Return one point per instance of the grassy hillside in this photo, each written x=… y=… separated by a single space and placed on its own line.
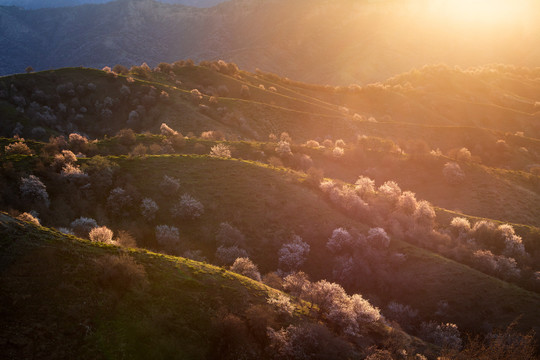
x=253 y=198
x=268 y=188
x=65 y=297
x=268 y=205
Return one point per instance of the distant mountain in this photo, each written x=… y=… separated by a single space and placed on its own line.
x=41 y=4
x=338 y=42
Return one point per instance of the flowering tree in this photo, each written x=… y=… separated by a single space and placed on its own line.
x=33 y=189
x=82 y=226
x=187 y=208
x=220 y=150
x=246 y=267
x=339 y=241
x=293 y=254
x=167 y=236
x=378 y=238
x=101 y=234
x=149 y=208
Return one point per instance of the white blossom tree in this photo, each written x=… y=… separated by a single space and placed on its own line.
x=292 y=255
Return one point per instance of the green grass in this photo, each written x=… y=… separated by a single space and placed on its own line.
x=170 y=317
x=249 y=196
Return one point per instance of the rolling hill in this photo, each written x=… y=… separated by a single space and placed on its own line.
x=501 y=183
x=230 y=163
x=67 y=297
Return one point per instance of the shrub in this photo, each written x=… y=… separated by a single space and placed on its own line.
x=463 y=154
x=126 y=137
x=220 y=150
x=275 y=281
x=81 y=227
x=403 y=314
x=460 y=226
x=307 y=341
x=187 y=208
x=407 y=202
x=63 y=158
x=149 y=209
x=296 y=282
x=507 y=268
x=73 y=172
x=485 y=232
x=364 y=186
x=486 y=260
x=304 y=161
x=33 y=189
x=226 y=255
x=169 y=185
x=101 y=234
x=453 y=174
x=364 y=312
x=390 y=190
x=119 y=202
x=29 y=218
x=339 y=241
x=77 y=142
x=378 y=238
x=513 y=244
x=444 y=335
x=293 y=254
x=228 y=235
x=327 y=143
x=312 y=144
x=138 y=151
x=324 y=294
x=133 y=118
x=124 y=238
x=340 y=143
x=212 y=135
x=338 y=152
x=244 y=266
x=345 y=197
x=424 y=215
x=196 y=95
x=167 y=236
x=284 y=136
x=507 y=344
x=283 y=149
x=18 y=147
x=166 y=130
x=120 y=69
x=120 y=272
x=281 y=303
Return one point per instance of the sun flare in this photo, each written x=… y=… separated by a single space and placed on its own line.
x=483 y=11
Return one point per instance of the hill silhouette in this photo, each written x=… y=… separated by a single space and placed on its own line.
x=371 y=41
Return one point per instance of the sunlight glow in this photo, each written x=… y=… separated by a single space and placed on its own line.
x=482 y=11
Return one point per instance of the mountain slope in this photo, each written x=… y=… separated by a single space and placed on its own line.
x=65 y=297
x=267 y=205
x=499 y=183
x=39 y=4
x=365 y=38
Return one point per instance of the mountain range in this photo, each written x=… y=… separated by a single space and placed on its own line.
x=369 y=41
x=41 y=4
